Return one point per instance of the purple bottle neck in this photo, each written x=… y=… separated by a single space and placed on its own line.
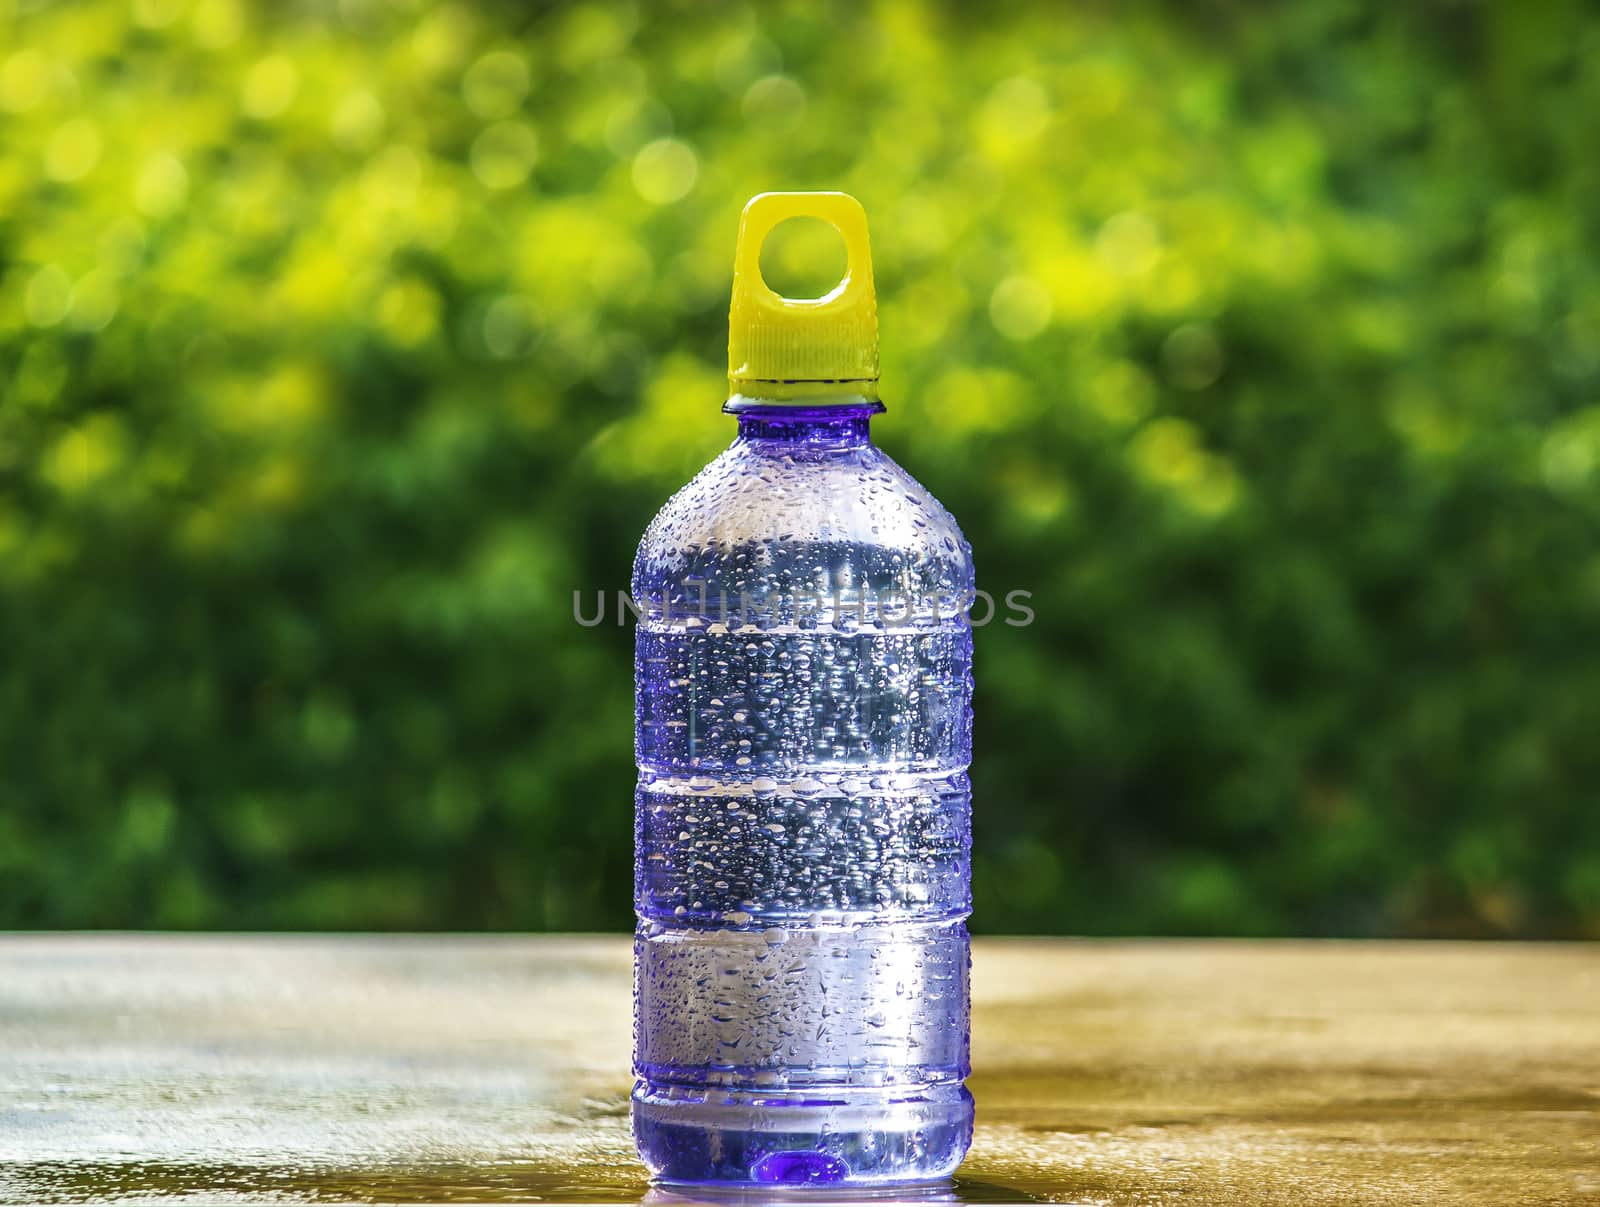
x=844 y=424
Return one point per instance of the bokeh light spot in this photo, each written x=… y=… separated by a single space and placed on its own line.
x=1128 y=244
x=1431 y=427
x=294 y=396
x=775 y=102
x=969 y=401
x=922 y=227
x=592 y=33
x=408 y=312
x=73 y=150
x=85 y=454
x=269 y=87
x=672 y=427
x=40 y=377
x=1019 y=308
x=157 y=14
x=1215 y=489
x=442 y=38
x=393 y=176
x=1191 y=357
x=121 y=246
x=1168 y=451
x=358 y=122
x=634 y=122
x=1082 y=288
x=94 y=302
x=218 y=24
x=664 y=171
x=504 y=154
x=1015 y=114
x=24 y=77
x=48 y=296
x=743 y=57
x=803 y=258
x=509 y=327
x=278 y=483
x=496 y=84
x=162 y=187
x=1121 y=392
x=1570 y=452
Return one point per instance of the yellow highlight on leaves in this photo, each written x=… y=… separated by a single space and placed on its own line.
x=442 y=38
x=358 y=122
x=162 y=187
x=157 y=14
x=570 y=254
x=1016 y=113
x=1122 y=393
x=48 y=297
x=85 y=454
x=1081 y=287
x=315 y=284
x=591 y=33
x=1128 y=244
x=94 y=302
x=408 y=312
x=679 y=424
x=1037 y=493
x=292 y=398
x=970 y=400
x=496 y=85
x=922 y=313
x=774 y=102
x=1168 y=452
x=40 y=375
x=270 y=87
x=24 y=78
x=73 y=150
x=278 y=483
x=218 y=24
x=504 y=154
x=1217 y=488
x=1568 y=456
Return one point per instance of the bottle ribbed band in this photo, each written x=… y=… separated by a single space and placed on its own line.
x=833 y=338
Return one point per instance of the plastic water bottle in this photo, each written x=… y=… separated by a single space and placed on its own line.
x=804 y=728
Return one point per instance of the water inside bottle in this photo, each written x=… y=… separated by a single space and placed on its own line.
x=803 y=826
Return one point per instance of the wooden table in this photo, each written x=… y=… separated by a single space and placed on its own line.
x=483 y=1069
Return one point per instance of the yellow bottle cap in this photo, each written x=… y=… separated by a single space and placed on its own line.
x=787 y=347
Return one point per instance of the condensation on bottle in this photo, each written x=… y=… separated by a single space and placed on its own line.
x=803 y=812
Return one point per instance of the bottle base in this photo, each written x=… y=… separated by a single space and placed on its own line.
x=795 y=1138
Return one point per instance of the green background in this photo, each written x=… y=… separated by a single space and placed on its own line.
x=341 y=343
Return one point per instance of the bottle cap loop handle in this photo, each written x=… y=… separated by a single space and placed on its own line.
x=828 y=340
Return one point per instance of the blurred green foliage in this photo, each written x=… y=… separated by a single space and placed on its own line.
x=341 y=343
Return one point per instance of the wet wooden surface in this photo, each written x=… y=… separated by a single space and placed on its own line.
x=254 y=1069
